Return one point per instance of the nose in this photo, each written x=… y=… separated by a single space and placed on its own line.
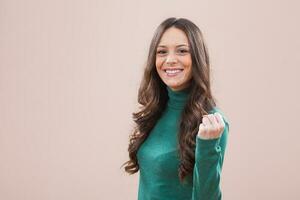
x=171 y=59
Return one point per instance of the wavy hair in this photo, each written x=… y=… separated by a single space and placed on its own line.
x=153 y=97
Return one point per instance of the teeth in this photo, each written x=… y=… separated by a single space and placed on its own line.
x=173 y=71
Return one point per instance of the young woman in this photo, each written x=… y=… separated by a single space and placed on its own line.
x=180 y=136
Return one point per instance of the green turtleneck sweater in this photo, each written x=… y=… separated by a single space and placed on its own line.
x=159 y=161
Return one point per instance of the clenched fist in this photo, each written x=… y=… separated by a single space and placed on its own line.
x=212 y=126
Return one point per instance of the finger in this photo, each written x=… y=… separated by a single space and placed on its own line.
x=212 y=120
x=202 y=128
x=209 y=120
x=217 y=117
x=220 y=119
x=215 y=126
x=206 y=121
x=221 y=123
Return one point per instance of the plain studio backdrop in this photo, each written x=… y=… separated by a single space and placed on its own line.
x=69 y=75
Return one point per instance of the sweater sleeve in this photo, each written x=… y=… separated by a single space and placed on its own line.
x=209 y=157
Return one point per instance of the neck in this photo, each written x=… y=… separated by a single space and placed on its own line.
x=178 y=98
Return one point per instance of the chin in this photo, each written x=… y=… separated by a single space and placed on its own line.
x=174 y=86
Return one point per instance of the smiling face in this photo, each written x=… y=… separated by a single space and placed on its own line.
x=173 y=59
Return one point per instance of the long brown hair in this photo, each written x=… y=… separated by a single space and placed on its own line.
x=153 y=96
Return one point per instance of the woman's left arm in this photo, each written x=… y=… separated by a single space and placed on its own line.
x=209 y=157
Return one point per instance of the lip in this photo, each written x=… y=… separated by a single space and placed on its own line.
x=164 y=69
x=173 y=74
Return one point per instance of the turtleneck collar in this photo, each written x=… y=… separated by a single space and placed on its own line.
x=177 y=99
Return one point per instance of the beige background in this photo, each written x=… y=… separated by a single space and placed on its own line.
x=69 y=74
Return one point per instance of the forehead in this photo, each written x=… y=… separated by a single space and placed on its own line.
x=173 y=37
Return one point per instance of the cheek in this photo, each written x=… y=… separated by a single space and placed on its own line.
x=158 y=62
x=187 y=63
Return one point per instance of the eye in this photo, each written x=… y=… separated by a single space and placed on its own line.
x=161 y=52
x=183 y=51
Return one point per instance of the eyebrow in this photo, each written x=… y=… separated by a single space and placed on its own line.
x=176 y=46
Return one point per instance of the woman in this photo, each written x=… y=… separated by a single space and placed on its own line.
x=180 y=136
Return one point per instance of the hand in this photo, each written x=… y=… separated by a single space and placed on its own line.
x=212 y=126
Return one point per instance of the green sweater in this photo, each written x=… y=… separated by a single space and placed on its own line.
x=159 y=161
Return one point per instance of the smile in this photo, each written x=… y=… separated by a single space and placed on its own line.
x=173 y=72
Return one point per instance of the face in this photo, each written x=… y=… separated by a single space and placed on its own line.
x=173 y=59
